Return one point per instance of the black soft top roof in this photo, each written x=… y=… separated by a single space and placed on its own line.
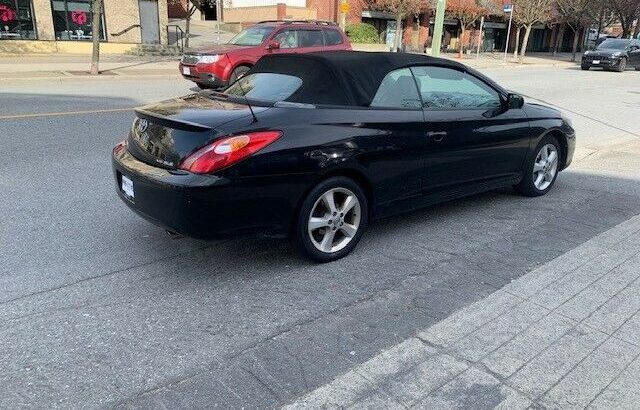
x=346 y=77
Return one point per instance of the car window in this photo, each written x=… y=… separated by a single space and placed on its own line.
x=446 y=88
x=614 y=44
x=287 y=38
x=397 y=90
x=270 y=87
x=332 y=37
x=253 y=36
x=310 y=38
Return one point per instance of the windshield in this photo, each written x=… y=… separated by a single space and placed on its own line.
x=614 y=44
x=253 y=36
x=269 y=87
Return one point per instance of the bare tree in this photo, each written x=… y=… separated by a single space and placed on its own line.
x=96 y=29
x=467 y=12
x=527 y=13
x=627 y=11
x=191 y=7
x=576 y=14
x=401 y=9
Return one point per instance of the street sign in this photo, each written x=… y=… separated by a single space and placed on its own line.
x=344 y=7
x=507 y=8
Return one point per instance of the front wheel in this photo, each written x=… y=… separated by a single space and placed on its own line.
x=237 y=73
x=333 y=217
x=541 y=169
x=584 y=67
x=622 y=65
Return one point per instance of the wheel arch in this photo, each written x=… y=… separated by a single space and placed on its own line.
x=349 y=172
x=564 y=144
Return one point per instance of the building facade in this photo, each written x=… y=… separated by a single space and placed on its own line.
x=66 y=25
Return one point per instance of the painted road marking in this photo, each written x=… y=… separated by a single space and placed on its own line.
x=63 y=113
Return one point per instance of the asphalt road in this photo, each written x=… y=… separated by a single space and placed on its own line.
x=99 y=308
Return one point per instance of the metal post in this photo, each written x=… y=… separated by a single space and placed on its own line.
x=438 y=26
x=480 y=37
x=218 y=17
x=506 y=45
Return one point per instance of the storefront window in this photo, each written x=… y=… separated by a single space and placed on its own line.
x=72 y=20
x=16 y=20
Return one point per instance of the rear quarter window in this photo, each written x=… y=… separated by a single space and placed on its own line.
x=332 y=37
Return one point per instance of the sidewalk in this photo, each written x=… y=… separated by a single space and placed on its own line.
x=566 y=335
x=494 y=60
x=77 y=66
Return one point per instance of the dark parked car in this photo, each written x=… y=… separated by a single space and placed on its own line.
x=331 y=141
x=613 y=54
x=220 y=65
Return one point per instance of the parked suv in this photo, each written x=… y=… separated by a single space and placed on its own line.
x=613 y=54
x=218 y=66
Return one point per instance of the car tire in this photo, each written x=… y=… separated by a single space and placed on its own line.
x=537 y=167
x=584 y=67
x=622 y=65
x=322 y=232
x=238 y=72
x=201 y=86
x=638 y=68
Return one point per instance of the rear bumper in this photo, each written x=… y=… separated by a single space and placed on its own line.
x=207 y=206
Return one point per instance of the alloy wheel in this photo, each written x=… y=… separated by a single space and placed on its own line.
x=334 y=220
x=545 y=167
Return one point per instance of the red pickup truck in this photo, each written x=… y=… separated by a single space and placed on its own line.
x=219 y=66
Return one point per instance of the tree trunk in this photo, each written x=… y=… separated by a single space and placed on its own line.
x=636 y=31
x=461 y=41
x=574 y=48
x=525 y=40
x=96 y=9
x=415 y=35
x=559 y=39
x=187 y=29
x=397 y=41
x=517 y=44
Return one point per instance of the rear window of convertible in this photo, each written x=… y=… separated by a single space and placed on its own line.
x=271 y=87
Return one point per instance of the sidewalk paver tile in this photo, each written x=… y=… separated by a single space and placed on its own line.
x=543 y=371
x=522 y=348
x=582 y=384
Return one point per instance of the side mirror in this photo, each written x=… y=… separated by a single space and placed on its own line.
x=273 y=45
x=514 y=101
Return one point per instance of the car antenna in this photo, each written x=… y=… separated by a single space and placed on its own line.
x=253 y=114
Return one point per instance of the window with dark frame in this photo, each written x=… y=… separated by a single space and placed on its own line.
x=73 y=19
x=16 y=20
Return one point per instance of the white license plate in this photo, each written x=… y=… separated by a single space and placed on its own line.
x=596 y=61
x=186 y=70
x=127 y=187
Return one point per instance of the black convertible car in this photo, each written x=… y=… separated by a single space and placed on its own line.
x=314 y=146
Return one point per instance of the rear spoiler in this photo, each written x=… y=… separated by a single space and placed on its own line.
x=170 y=122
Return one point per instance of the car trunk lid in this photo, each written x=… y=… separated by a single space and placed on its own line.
x=164 y=134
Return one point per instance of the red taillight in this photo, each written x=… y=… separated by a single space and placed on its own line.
x=120 y=147
x=227 y=151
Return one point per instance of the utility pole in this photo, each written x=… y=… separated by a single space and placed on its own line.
x=218 y=17
x=438 y=26
x=344 y=10
x=508 y=8
x=480 y=37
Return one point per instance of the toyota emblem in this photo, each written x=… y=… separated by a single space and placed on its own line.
x=142 y=126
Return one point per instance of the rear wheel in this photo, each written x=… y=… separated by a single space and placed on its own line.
x=332 y=220
x=201 y=86
x=622 y=65
x=238 y=72
x=541 y=168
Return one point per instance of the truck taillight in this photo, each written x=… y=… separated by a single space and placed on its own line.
x=228 y=151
